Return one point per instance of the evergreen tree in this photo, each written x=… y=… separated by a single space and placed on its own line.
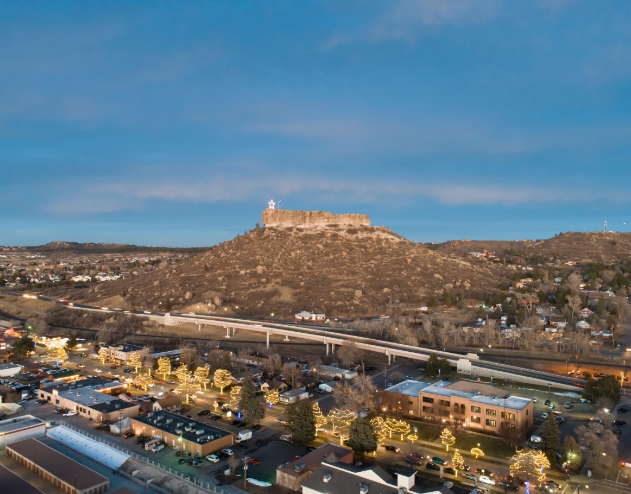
x=550 y=438
x=431 y=368
x=571 y=452
x=226 y=364
x=303 y=422
x=361 y=437
x=72 y=341
x=23 y=346
x=252 y=409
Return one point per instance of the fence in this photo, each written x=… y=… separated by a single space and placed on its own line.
x=207 y=486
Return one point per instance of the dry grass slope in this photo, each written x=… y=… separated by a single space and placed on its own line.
x=340 y=270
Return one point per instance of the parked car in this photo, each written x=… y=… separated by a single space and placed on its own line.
x=547 y=403
x=535 y=399
x=623 y=410
x=253 y=461
x=228 y=451
x=469 y=475
x=449 y=470
x=213 y=458
x=69 y=414
x=203 y=412
x=619 y=423
x=127 y=435
x=551 y=486
x=394 y=449
x=439 y=461
x=127 y=370
x=432 y=466
x=567 y=405
x=544 y=416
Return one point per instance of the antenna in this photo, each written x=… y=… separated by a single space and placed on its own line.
x=279 y=203
x=605 y=226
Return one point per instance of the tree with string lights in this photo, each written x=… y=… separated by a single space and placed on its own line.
x=447 y=438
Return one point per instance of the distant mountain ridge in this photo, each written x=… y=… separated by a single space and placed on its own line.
x=101 y=248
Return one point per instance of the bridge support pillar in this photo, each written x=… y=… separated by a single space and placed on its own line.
x=388 y=358
x=394 y=357
x=268 y=339
x=199 y=327
x=332 y=348
x=227 y=332
x=327 y=347
x=233 y=331
x=286 y=337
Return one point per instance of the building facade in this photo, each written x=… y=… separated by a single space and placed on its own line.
x=469 y=404
x=186 y=434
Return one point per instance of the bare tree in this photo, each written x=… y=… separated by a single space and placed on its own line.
x=574 y=280
x=574 y=303
x=189 y=355
x=442 y=332
x=428 y=329
x=349 y=352
x=357 y=395
x=273 y=364
x=599 y=446
x=396 y=377
x=292 y=373
x=314 y=365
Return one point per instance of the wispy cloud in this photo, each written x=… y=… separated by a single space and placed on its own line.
x=109 y=198
x=407 y=20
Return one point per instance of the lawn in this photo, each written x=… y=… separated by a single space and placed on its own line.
x=492 y=446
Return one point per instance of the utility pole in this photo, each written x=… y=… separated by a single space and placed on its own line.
x=245 y=470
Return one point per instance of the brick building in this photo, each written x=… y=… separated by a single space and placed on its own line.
x=474 y=405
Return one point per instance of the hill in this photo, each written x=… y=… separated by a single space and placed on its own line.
x=94 y=248
x=579 y=247
x=337 y=269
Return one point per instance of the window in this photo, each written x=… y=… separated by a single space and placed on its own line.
x=475 y=409
x=491 y=423
x=444 y=403
x=411 y=412
x=475 y=420
x=463 y=409
x=410 y=403
x=508 y=426
x=56 y=402
x=428 y=409
x=427 y=399
x=491 y=412
x=509 y=416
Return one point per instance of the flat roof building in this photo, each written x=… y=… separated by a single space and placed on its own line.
x=10 y=483
x=61 y=471
x=91 y=400
x=190 y=435
x=471 y=404
x=20 y=428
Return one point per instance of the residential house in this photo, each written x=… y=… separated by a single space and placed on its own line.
x=331 y=371
x=583 y=325
x=293 y=396
x=274 y=385
x=328 y=387
x=309 y=316
x=558 y=322
x=585 y=313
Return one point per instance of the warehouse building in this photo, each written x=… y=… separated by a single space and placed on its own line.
x=91 y=400
x=11 y=482
x=177 y=431
x=20 y=428
x=63 y=472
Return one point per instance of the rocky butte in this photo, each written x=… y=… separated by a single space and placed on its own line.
x=287 y=218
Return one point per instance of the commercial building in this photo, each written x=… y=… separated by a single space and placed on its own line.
x=174 y=356
x=8 y=370
x=94 y=400
x=293 y=475
x=20 y=428
x=10 y=483
x=63 y=472
x=122 y=352
x=189 y=435
x=340 y=478
x=470 y=404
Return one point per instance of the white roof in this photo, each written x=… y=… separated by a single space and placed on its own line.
x=102 y=453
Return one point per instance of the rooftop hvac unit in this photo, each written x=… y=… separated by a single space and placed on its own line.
x=168 y=421
x=299 y=467
x=178 y=431
x=188 y=428
x=363 y=488
x=150 y=414
x=327 y=477
x=179 y=424
x=199 y=431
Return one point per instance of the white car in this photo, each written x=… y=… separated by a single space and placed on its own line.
x=213 y=458
x=147 y=312
x=535 y=399
x=98 y=370
x=544 y=416
x=151 y=385
x=486 y=480
x=81 y=366
x=69 y=414
x=228 y=451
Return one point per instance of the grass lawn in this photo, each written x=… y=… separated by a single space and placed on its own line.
x=492 y=446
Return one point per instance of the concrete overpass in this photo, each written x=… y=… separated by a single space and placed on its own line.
x=332 y=338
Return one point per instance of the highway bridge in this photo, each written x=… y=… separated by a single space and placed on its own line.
x=332 y=338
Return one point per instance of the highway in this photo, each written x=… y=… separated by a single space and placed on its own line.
x=334 y=337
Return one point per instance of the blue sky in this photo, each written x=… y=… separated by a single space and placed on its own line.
x=173 y=123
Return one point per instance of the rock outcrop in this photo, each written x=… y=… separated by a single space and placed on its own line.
x=287 y=218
